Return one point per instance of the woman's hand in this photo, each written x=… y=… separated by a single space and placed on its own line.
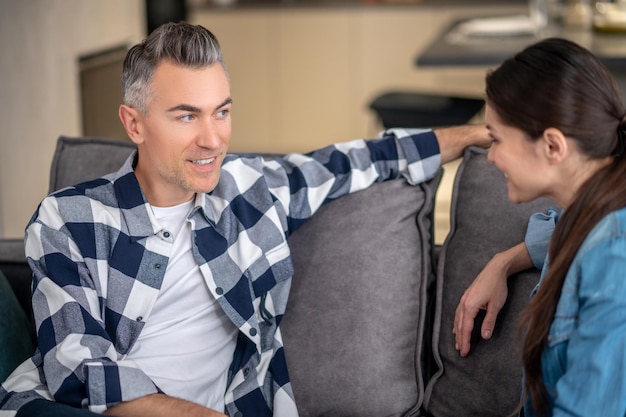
x=488 y=292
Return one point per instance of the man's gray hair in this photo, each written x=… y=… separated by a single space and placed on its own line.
x=181 y=43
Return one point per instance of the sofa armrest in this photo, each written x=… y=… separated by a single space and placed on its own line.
x=12 y=250
x=16 y=270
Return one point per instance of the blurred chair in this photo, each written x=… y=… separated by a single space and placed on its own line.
x=413 y=109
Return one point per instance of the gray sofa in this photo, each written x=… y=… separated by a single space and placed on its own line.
x=368 y=325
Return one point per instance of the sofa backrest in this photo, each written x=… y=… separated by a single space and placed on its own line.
x=81 y=159
x=368 y=325
x=358 y=307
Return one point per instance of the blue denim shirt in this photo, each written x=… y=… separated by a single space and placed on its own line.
x=584 y=365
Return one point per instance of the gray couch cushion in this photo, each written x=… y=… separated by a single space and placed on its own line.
x=81 y=159
x=355 y=319
x=483 y=222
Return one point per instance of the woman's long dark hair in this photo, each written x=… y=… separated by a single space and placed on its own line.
x=556 y=83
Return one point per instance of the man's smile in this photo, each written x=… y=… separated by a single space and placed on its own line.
x=203 y=161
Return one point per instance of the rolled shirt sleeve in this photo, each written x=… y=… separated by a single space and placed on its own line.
x=538 y=235
x=303 y=183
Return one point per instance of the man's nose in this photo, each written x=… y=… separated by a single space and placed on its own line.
x=208 y=136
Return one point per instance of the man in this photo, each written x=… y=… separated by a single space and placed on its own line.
x=159 y=289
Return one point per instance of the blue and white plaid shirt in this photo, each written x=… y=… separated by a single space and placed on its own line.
x=99 y=257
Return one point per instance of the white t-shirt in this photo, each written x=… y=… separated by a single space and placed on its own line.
x=187 y=343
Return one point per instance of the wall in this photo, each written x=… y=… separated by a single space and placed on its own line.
x=302 y=77
x=40 y=42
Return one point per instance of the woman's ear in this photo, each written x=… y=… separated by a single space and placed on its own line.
x=131 y=119
x=554 y=144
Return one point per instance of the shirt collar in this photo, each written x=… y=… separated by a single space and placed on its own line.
x=135 y=209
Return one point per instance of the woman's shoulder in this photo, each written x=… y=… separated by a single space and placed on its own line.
x=611 y=227
x=604 y=247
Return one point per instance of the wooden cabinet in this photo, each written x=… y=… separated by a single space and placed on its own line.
x=303 y=77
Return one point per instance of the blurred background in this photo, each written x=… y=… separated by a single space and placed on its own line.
x=303 y=72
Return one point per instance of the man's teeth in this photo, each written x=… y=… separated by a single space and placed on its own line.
x=204 y=161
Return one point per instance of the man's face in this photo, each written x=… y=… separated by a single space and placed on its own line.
x=184 y=135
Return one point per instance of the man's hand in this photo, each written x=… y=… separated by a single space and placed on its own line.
x=488 y=292
x=159 y=405
x=454 y=140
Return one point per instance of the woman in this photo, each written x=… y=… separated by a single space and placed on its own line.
x=558 y=126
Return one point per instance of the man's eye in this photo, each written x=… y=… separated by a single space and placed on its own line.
x=187 y=117
x=223 y=113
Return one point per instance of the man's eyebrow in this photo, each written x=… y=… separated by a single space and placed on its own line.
x=194 y=109
x=229 y=100
x=185 y=107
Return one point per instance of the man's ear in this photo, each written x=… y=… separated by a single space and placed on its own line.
x=554 y=144
x=131 y=119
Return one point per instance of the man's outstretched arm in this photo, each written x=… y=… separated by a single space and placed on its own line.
x=454 y=140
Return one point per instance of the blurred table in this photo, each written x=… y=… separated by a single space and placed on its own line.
x=454 y=48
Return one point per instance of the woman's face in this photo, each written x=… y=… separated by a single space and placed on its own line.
x=518 y=157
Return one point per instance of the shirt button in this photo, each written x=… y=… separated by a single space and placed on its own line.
x=253 y=332
x=246 y=371
x=157 y=266
x=139 y=318
x=219 y=291
x=166 y=234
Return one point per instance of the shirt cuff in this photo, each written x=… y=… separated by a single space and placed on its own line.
x=109 y=383
x=419 y=149
x=538 y=235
